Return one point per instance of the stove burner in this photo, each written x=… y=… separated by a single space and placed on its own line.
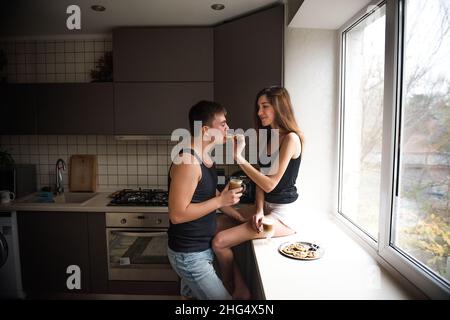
x=144 y=197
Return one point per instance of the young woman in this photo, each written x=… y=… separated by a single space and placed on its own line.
x=275 y=192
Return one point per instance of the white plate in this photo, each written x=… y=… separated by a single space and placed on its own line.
x=308 y=247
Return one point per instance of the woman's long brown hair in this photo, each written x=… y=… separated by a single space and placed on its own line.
x=284 y=115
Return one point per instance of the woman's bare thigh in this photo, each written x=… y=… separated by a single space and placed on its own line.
x=236 y=235
x=247 y=212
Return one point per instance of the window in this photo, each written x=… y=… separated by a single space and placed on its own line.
x=363 y=85
x=394 y=164
x=421 y=226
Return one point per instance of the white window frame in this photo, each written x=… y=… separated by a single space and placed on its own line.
x=359 y=17
x=418 y=275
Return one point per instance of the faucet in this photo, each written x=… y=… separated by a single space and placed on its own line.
x=60 y=167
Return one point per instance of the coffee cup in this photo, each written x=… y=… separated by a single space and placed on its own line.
x=268 y=225
x=6 y=196
x=268 y=228
x=236 y=182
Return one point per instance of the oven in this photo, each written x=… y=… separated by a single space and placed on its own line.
x=137 y=247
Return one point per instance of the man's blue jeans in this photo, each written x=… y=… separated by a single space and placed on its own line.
x=198 y=276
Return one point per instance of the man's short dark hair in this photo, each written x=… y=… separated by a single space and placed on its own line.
x=205 y=112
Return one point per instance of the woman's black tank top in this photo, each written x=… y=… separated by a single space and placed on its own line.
x=285 y=191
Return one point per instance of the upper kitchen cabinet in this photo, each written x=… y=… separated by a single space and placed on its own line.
x=156 y=107
x=248 y=56
x=163 y=54
x=18 y=109
x=75 y=108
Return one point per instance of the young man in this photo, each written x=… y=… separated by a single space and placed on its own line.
x=193 y=201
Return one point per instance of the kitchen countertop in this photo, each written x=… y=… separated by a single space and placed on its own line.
x=96 y=204
x=346 y=270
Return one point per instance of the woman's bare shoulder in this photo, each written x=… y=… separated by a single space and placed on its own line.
x=292 y=141
x=291 y=138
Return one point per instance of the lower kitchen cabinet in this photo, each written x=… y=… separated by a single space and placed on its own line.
x=51 y=242
x=98 y=252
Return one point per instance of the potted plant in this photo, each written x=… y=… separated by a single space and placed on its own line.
x=6 y=160
x=103 y=72
x=3 y=63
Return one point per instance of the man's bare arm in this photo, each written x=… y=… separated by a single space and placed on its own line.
x=184 y=180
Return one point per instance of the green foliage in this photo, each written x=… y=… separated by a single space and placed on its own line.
x=104 y=69
x=6 y=160
x=431 y=236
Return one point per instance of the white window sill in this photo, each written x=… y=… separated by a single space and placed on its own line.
x=346 y=271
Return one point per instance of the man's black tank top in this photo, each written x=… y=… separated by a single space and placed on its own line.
x=196 y=235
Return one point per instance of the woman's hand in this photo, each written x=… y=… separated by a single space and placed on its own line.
x=257 y=221
x=239 y=146
x=229 y=197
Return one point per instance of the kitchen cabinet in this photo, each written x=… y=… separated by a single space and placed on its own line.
x=156 y=107
x=50 y=242
x=159 y=73
x=248 y=56
x=75 y=108
x=18 y=109
x=163 y=54
x=98 y=263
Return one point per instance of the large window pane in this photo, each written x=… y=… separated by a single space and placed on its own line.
x=421 y=218
x=363 y=85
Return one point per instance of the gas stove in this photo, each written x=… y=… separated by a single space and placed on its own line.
x=140 y=197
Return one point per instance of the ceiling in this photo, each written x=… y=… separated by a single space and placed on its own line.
x=326 y=14
x=48 y=17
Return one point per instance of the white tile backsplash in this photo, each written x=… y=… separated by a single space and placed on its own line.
x=121 y=164
x=34 y=61
x=132 y=169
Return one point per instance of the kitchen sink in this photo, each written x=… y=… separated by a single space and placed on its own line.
x=76 y=197
x=66 y=197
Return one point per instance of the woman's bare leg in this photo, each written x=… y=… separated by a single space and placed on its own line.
x=222 y=245
x=247 y=212
x=225 y=222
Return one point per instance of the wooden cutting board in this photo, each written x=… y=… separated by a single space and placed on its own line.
x=83 y=173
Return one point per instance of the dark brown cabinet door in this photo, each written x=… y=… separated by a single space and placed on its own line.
x=248 y=56
x=163 y=54
x=98 y=252
x=18 y=109
x=75 y=108
x=50 y=242
x=156 y=108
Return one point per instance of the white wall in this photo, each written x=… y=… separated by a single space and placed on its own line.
x=311 y=77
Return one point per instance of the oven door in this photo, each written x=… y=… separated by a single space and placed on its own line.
x=137 y=254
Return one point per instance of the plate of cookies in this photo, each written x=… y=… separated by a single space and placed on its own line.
x=301 y=250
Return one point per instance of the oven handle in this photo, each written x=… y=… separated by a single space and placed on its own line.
x=140 y=234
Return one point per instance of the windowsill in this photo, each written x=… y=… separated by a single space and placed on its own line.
x=346 y=271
